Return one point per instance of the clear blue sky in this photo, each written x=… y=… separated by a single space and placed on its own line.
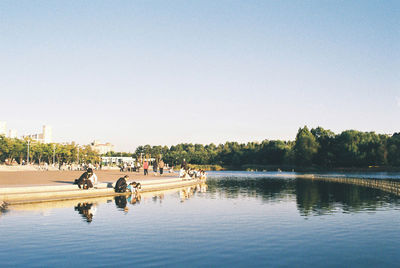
x=166 y=72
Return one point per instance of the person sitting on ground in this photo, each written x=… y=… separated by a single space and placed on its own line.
x=182 y=173
x=121 y=184
x=92 y=178
x=203 y=175
x=133 y=187
x=86 y=180
x=191 y=173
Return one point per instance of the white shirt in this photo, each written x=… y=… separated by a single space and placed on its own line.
x=93 y=179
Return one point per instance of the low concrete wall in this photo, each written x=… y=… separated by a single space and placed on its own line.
x=65 y=192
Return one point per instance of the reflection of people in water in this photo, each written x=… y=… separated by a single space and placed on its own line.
x=159 y=197
x=190 y=191
x=87 y=210
x=3 y=208
x=120 y=201
x=203 y=188
x=186 y=193
x=134 y=198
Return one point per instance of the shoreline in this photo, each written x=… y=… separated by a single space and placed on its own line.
x=43 y=186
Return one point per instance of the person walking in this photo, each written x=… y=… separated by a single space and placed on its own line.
x=161 y=166
x=155 y=166
x=146 y=167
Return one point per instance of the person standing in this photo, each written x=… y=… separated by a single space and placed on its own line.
x=146 y=167
x=161 y=166
x=132 y=166
x=184 y=164
x=155 y=166
x=137 y=166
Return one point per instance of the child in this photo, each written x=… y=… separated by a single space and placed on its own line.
x=133 y=187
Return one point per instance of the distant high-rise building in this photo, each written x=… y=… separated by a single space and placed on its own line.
x=46 y=136
x=12 y=133
x=3 y=128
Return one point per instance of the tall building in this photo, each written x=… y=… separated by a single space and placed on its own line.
x=46 y=136
x=3 y=128
x=12 y=133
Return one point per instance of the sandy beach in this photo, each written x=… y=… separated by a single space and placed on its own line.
x=36 y=178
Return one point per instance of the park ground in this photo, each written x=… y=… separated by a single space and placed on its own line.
x=36 y=178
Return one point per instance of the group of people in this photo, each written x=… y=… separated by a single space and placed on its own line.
x=129 y=167
x=157 y=167
x=122 y=186
x=191 y=174
x=89 y=180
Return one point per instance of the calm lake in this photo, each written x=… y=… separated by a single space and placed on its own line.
x=239 y=219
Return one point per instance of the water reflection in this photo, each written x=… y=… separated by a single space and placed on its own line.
x=86 y=210
x=322 y=197
x=269 y=189
x=122 y=201
x=186 y=193
x=158 y=198
x=3 y=208
x=313 y=197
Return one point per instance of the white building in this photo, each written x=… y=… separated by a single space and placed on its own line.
x=102 y=148
x=46 y=136
x=12 y=133
x=111 y=160
x=3 y=128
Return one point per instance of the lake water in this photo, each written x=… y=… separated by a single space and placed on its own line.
x=239 y=219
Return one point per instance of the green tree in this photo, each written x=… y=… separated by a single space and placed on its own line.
x=393 y=149
x=306 y=146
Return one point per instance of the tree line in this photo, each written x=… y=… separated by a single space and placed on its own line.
x=13 y=150
x=315 y=148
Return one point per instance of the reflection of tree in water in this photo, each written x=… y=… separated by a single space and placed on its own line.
x=266 y=188
x=321 y=197
x=84 y=209
x=313 y=197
